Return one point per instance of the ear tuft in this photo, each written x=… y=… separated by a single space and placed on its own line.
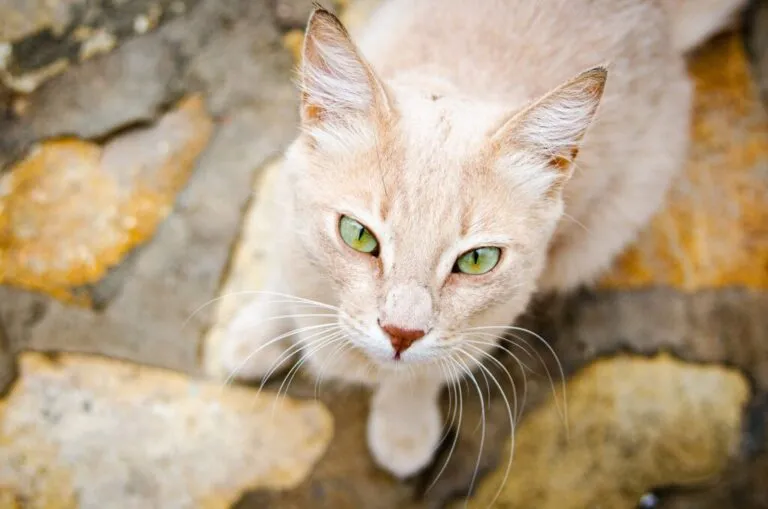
x=336 y=83
x=554 y=125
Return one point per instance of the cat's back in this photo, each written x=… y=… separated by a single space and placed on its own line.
x=502 y=47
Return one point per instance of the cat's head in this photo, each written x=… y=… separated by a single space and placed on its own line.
x=431 y=215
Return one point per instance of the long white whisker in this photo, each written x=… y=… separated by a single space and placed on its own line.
x=469 y=374
x=451 y=366
x=300 y=330
x=337 y=352
x=259 y=292
x=338 y=338
x=564 y=410
x=471 y=344
x=511 y=422
x=451 y=407
x=503 y=339
x=303 y=342
x=316 y=347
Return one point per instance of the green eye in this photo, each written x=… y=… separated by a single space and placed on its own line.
x=478 y=261
x=357 y=236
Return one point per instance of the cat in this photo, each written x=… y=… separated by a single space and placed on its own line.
x=459 y=158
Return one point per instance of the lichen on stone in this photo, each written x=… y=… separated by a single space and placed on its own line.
x=633 y=424
x=72 y=209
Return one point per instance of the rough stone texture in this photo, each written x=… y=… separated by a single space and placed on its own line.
x=714 y=230
x=230 y=53
x=7 y=363
x=39 y=39
x=25 y=17
x=346 y=477
x=293 y=14
x=131 y=86
x=88 y=433
x=743 y=485
x=71 y=210
x=756 y=25
x=634 y=424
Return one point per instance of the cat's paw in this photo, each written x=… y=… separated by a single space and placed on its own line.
x=249 y=350
x=403 y=439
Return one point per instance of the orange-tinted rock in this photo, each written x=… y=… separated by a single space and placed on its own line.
x=294 y=41
x=72 y=209
x=714 y=230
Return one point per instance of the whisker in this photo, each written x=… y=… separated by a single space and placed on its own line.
x=290 y=351
x=259 y=292
x=512 y=422
x=563 y=412
x=312 y=347
x=503 y=339
x=299 y=330
x=448 y=425
x=454 y=379
x=500 y=365
x=337 y=352
x=292 y=316
x=317 y=346
x=462 y=365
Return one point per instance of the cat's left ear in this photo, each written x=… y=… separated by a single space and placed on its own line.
x=552 y=128
x=337 y=84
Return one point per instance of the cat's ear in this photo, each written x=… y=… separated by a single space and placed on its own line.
x=554 y=126
x=337 y=85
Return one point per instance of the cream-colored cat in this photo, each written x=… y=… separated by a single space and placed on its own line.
x=435 y=186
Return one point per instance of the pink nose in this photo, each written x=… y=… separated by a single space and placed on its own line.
x=402 y=339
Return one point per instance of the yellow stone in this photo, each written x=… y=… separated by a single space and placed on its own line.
x=88 y=432
x=293 y=40
x=73 y=209
x=714 y=230
x=634 y=424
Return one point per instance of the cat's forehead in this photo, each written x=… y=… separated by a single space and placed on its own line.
x=452 y=127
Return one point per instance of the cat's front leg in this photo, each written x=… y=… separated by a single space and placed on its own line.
x=257 y=339
x=405 y=424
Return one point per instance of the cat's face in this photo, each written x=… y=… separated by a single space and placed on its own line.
x=431 y=215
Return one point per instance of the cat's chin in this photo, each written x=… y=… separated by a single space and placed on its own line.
x=395 y=362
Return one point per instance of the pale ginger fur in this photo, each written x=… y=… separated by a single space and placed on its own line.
x=457 y=130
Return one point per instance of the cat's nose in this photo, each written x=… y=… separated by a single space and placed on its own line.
x=402 y=339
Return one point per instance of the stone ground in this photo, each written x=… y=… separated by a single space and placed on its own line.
x=138 y=143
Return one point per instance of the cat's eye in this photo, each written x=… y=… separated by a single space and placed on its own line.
x=478 y=261
x=357 y=236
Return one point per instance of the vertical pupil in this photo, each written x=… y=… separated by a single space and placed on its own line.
x=475 y=256
x=360 y=234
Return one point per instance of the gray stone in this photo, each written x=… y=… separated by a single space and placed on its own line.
x=7 y=362
x=295 y=13
x=97 y=433
x=127 y=87
x=22 y=18
x=245 y=75
x=40 y=39
x=756 y=25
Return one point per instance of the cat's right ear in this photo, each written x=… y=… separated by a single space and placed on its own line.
x=337 y=85
x=553 y=126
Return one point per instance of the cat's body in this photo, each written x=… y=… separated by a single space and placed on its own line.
x=445 y=145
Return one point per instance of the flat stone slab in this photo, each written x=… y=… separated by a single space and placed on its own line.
x=634 y=424
x=72 y=209
x=93 y=434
